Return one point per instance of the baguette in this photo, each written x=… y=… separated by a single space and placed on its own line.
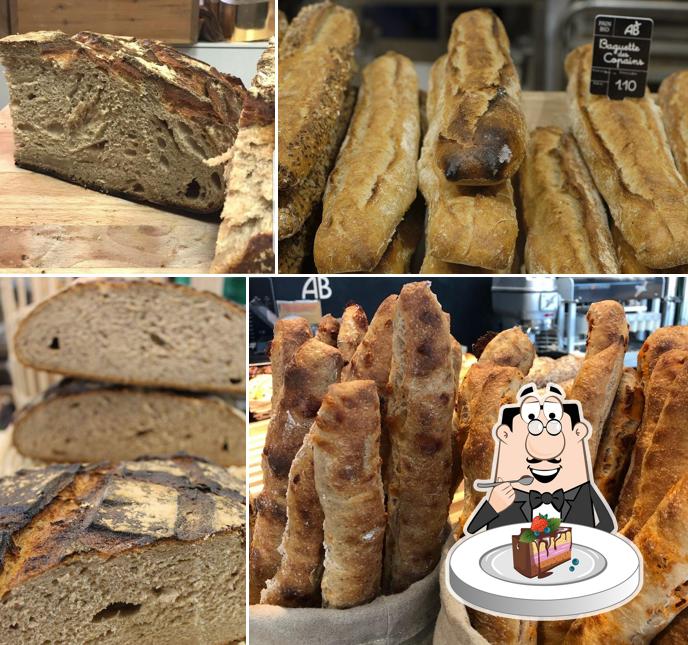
x=306 y=379
x=665 y=571
x=297 y=580
x=244 y=241
x=148 y=551
x=672 y=97
x=80 y=421
x=328 y=330
x=399 y=254
x=618 y=437
x=289 y=335
x=567 y=229
x=482 y=133
x=625 y=255
x=431 y=265
x=418 y=424
x=657 y=391
x=131 y=118
x=625 y=147
x=346 y=455
x=549 y=370
x=372 y=186
x=598 y=379
x=511 y=348
x=466 y=225
x=503 y=631
x=676 y=633
x=351 y=331
x=659 y=342
x=138 y=332
x=316 y=68
x=666 y=454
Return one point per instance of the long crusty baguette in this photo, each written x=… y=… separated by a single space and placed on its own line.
x=466 y=225
x=313 y=368
x=372 y=185
x=511 y=348
x=482 y=136
x=148 y=551
x=316 y=65
x=346 y=454
x=351 y=330
x=244 y=241
x=289 y=334
x=328 y=330
x=399 y=253
x=625 y=147
x=566 y=221
x=618 y=437
x=625 y=255
x=657 y=392
x=666 y=455
x=81 y=421
x=663 y=544
x=672 y=98
x=418 y=426
x=297 y=581
x=138 y=332
x=659 y=342
x=597 y=381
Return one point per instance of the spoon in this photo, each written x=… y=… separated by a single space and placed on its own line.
x=525 y=480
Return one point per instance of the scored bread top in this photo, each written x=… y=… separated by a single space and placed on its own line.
x=48 y=515
x=188 y=86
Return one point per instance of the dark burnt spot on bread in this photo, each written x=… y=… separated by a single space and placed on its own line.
x=279 y=462
x=430 y=444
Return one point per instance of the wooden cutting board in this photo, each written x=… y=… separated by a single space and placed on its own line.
x=51 y=226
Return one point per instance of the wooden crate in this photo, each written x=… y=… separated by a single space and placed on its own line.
x=172 y=21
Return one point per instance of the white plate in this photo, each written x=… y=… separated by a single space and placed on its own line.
x=480 y=574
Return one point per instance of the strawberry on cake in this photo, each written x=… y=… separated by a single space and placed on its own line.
x=541 y=547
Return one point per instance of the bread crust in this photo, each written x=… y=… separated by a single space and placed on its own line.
x=657 y=392
x=625 y=147
x=510 y=348
x=597 y=381
x=566 y=221
x=318 y=46
x=352 y=329
x=289 y=334
x=112 y=285
x=659 y=342
x=418 y=425
x=672 y=97
x=313 y=368
x=475 y=226
x=399 y=254
x=346 y=453
x=328 y=330
x=482 y=136
x=618 y=436
x=665 y=570
x=375 y=179
x=676 y=633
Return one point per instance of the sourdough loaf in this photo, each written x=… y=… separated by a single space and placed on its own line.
x=244 y=241
x=138 y=333
x=127 y=117
x=567 y=228
x=374 y=180
x=625 y=146
x=81 y=421
x=482 y=136
x=145 y=551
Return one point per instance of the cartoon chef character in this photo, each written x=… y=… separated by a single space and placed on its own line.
x=546 y=439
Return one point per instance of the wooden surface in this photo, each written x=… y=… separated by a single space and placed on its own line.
x=173 y=21
x=49 y=225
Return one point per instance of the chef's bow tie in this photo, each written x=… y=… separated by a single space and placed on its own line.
x=556 y=498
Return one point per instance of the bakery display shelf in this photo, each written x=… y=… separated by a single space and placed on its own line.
x=50 y=225
x=256 y=439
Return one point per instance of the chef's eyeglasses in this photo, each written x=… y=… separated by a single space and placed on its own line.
x=553 y=412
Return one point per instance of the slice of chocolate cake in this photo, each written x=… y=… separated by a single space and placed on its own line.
x=541 y=547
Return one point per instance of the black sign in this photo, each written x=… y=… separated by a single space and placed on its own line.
x=620 y=56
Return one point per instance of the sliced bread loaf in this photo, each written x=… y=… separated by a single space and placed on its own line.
x=139 y=333
x=148 y=551
x=77 y=421
x=127 y=117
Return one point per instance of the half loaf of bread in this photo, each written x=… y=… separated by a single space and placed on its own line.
x=127 y=117
x=137 y=333
x=147 y=551
x=77 y=421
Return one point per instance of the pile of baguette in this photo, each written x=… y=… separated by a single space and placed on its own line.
x=141 y=372
x=351 y=162
x=357 y=463
x=639 y=449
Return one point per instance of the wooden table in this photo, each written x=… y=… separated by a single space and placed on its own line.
x=49 y=225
